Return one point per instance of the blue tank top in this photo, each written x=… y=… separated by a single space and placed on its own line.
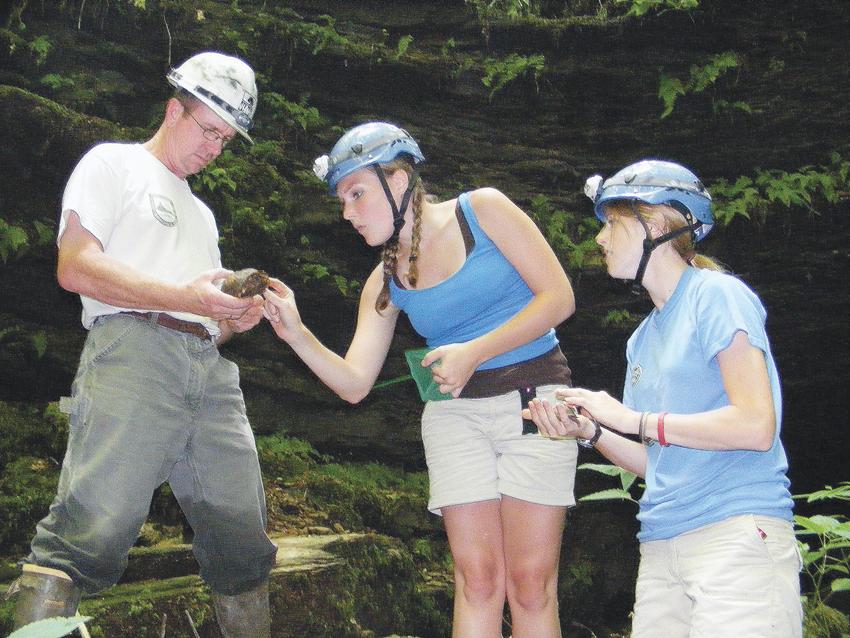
x=485 y=293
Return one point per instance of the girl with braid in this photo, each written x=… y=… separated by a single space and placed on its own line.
x=481 y=285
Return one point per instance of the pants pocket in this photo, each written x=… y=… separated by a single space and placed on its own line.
x=76 y=407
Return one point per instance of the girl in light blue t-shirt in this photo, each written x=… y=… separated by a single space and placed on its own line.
x=702 y=409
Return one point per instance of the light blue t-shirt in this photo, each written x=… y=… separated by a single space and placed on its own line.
x=672 y=367
x=485 y=293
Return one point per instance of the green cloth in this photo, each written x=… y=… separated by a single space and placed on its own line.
x=428 y=389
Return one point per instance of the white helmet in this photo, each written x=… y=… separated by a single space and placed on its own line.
x=222 y=82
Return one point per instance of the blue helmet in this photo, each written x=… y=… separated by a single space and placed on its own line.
x=365 y=145
x=656 y=182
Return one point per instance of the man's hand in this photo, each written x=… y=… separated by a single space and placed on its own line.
x=204 y=298
x=250 y=318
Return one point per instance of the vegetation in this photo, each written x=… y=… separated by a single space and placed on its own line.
x=700 y=79
x=488 y=11
x=16 y=240
x=637 y=8
x=825 y=549
x=403 y=43
x=774 y=190
x=499 y=73
x=619 y=318
x=571 y=235
x=40 y=47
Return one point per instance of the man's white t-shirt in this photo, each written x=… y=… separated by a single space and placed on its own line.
x=144 y=216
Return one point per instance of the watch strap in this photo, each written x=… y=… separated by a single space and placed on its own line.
x=591 y=442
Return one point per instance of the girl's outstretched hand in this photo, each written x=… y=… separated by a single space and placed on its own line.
x=281 y=311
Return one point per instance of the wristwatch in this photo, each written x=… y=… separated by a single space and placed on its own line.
x=591 y=442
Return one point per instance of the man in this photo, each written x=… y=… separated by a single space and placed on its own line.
x=153 y=400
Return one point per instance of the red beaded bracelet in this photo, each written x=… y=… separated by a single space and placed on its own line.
x=661 y=438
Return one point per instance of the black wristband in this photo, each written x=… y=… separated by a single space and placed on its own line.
x=591 y=442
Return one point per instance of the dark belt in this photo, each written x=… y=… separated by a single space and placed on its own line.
x=546 y=369
x=189 y=327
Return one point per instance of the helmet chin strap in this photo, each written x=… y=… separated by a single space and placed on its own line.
x=650 y=244
x=398 y=211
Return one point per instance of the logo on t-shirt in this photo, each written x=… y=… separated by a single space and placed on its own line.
x=163 y=209
x=636 y=372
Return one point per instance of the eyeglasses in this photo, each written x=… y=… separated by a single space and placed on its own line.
x=210 y=133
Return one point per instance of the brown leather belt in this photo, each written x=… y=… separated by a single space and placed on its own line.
x=189 y=327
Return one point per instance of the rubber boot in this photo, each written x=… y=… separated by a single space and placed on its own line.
x=43 y=593
x=244 y=615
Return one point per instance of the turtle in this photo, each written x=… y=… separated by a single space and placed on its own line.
x=246 y=283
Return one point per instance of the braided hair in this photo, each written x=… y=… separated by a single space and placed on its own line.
x=389 y=254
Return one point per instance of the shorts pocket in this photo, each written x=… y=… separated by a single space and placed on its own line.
x=779 y=541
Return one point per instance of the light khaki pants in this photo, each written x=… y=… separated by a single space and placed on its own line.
x=735 y=578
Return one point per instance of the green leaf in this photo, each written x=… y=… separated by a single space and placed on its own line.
x=13 y=240
x=39 y=342
x=627 y=479
x=638 y=8
x=40 y=47
x=602 y=468
x=817 y=524
x=705 y=76
x=840 y=584
x=56 y=81
x=314 y=271
x=43 y=232
x=836 y=569
x=742 y=106
x=842 y=492
x=700 y=78
x=612 y=494
x=810 y=558
x=403 y=42
x=669 y=90
x=618 y=318
x=499 y=73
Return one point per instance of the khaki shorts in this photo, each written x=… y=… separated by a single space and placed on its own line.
x=738 y=577
x=476 y=451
